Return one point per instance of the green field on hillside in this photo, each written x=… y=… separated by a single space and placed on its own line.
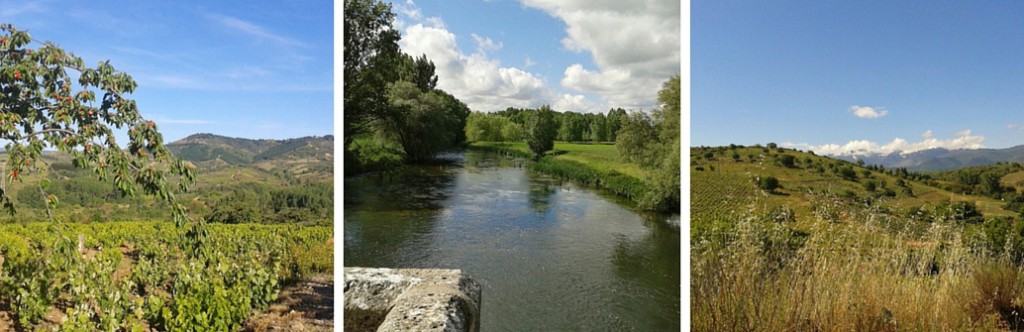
x=844 y=247
x=719 y=182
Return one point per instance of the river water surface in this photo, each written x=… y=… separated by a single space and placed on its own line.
x=550 y=255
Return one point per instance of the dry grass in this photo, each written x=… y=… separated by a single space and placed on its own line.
x=851 y=274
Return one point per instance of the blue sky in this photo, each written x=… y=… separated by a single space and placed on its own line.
x=253 y=69
x=575 y=55
x=857 y=76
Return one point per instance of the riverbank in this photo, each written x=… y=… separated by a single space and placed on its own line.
x=595 y=165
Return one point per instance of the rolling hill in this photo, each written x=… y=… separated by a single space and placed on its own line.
x=231 y=170
x=305 y=156
x=724 y=186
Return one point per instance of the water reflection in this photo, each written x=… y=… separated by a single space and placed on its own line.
x=541 y=190
x=550 y=255
x=653 y=261
x=403 y=208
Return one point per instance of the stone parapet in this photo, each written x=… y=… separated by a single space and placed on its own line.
x=381 y=299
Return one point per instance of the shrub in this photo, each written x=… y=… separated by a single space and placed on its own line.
x=768 y=183
x=847 y=172
x=787 y=160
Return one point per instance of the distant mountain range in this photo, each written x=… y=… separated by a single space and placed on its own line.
x=296 y=156
x=939 y=159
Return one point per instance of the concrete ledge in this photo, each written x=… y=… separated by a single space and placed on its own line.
x=379 y=299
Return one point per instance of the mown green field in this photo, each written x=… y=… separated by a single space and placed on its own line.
x=600 y=157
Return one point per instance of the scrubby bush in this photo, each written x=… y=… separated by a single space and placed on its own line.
x=787 y=160
x=768 y=183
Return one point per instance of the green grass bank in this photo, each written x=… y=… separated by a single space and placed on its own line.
x=596 y=165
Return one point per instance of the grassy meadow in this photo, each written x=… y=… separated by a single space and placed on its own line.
x=879 y=251
x=596 y=165
x=600 y=157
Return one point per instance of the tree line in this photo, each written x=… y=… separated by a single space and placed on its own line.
x=509 y=125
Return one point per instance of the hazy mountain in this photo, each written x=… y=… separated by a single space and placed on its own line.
x=295 y=156
x=940 y=159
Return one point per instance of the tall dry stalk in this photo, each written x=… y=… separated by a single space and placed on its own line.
x=863 y=271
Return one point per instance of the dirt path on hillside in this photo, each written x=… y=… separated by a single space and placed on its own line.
x=306 y=306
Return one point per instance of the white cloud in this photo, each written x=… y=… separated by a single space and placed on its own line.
x=409 y=9
x=478 y=79
x=485 y=45
x=616 y=86
x=1015 y=127
x=634 y=45
x=482 y=83
x=865 y=112
x=574 y=103
x=435 y=22
x=961 y=140
x=253 y=30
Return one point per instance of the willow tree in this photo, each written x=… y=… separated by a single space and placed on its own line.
x=49 y=99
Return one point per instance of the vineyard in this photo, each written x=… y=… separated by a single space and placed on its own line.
x=134 y=276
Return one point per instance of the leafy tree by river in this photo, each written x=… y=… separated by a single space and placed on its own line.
x=653 y=142
x=540 y=131
x=391 y=97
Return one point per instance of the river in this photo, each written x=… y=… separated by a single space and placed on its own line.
x=550 y=255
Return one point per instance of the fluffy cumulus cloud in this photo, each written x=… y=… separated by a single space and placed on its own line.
x=865 y=112
x=960 y=140
x=574 y=103
x=635 y=45
x=479 y=81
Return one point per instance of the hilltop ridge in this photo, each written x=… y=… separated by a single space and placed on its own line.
x=304 y=155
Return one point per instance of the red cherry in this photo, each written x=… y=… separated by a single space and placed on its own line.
x=17 y=75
